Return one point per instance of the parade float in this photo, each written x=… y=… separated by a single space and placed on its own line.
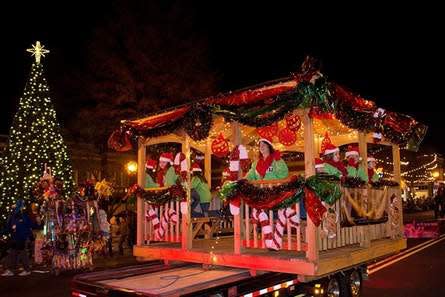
x=348 y=223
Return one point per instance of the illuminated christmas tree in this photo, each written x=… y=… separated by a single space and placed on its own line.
x=34 y=140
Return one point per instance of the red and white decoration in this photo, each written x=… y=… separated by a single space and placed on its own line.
x=180 y=162
x=273 y=238
x=168 y=216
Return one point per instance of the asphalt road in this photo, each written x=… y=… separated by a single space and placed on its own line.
x=419 y=275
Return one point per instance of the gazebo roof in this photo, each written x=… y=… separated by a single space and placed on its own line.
x=265 y=104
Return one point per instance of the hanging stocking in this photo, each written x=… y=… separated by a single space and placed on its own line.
x=169 y=215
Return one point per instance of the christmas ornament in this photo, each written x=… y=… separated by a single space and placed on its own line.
x=293 y=122
x=287 y=137
x=268 y=132
x=220 y=146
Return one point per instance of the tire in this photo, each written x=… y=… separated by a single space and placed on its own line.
x=355 y=283
x=333 y=287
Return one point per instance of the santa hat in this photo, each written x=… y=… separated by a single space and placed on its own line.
x=319 y=163
x=166 y=157
x=150 y=164
x=226 y=172
x=352 y=151
x=181 y=161
x=327 y=147
x=196 y=168
x=371 y=159
x=267 y=140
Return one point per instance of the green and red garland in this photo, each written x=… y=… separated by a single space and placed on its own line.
x=313 y=190
x=263 y=107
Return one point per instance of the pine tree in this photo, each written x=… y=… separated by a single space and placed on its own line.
x=34 y=140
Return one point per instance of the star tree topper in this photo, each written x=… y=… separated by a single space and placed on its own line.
x=38 y=51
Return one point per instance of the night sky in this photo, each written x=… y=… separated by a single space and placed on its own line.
x=392 y=55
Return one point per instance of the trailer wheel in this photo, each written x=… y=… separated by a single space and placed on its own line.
x=355 y=283
x=333 y=287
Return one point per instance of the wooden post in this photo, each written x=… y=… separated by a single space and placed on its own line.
x=140 y=202
x=363 y=148
x=186 y=239
x=312 y=233
x=208 y=162
x=398 y=178
x=237 y=228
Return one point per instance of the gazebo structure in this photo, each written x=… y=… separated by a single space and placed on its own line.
x=365 y=223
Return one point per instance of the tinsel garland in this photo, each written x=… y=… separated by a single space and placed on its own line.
x=198 y=122
x=280 y=196
x=158 y=197
x=353 y=182
x=384 y=183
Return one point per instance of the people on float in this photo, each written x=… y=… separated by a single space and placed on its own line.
x=150 y=169
x=353 y=164
x=166 y=175
x=269 y=165
x=373 y=176
x=331 y=157
x=319 y=166
x=200 y=190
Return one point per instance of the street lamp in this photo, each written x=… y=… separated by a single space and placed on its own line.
x=132 y=167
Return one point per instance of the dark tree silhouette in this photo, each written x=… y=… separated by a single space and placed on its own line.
x=145 y=57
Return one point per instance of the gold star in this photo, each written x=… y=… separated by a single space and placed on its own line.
x=37 y=51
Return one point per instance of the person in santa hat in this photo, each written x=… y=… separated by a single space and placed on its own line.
x=166 y=175
x=150 y=169
x=269 y=165
x=200 y=189
x=372 y=174
x=353 y=168
x=331 y=157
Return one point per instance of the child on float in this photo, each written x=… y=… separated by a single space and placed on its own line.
x=373 y=176
x=166 y=175
x=150 y=170
x=331 y=158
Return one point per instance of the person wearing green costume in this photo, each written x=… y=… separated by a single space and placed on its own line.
x=331 y=157
x=353 y=168
x=166 y=175
x=150 y=170
x=200 y=190
x=269 y=166
x=372 y=174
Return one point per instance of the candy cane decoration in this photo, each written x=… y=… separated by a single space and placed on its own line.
x=169 y=215
x=262 y=218
x=274 y=240
x=153 y=217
